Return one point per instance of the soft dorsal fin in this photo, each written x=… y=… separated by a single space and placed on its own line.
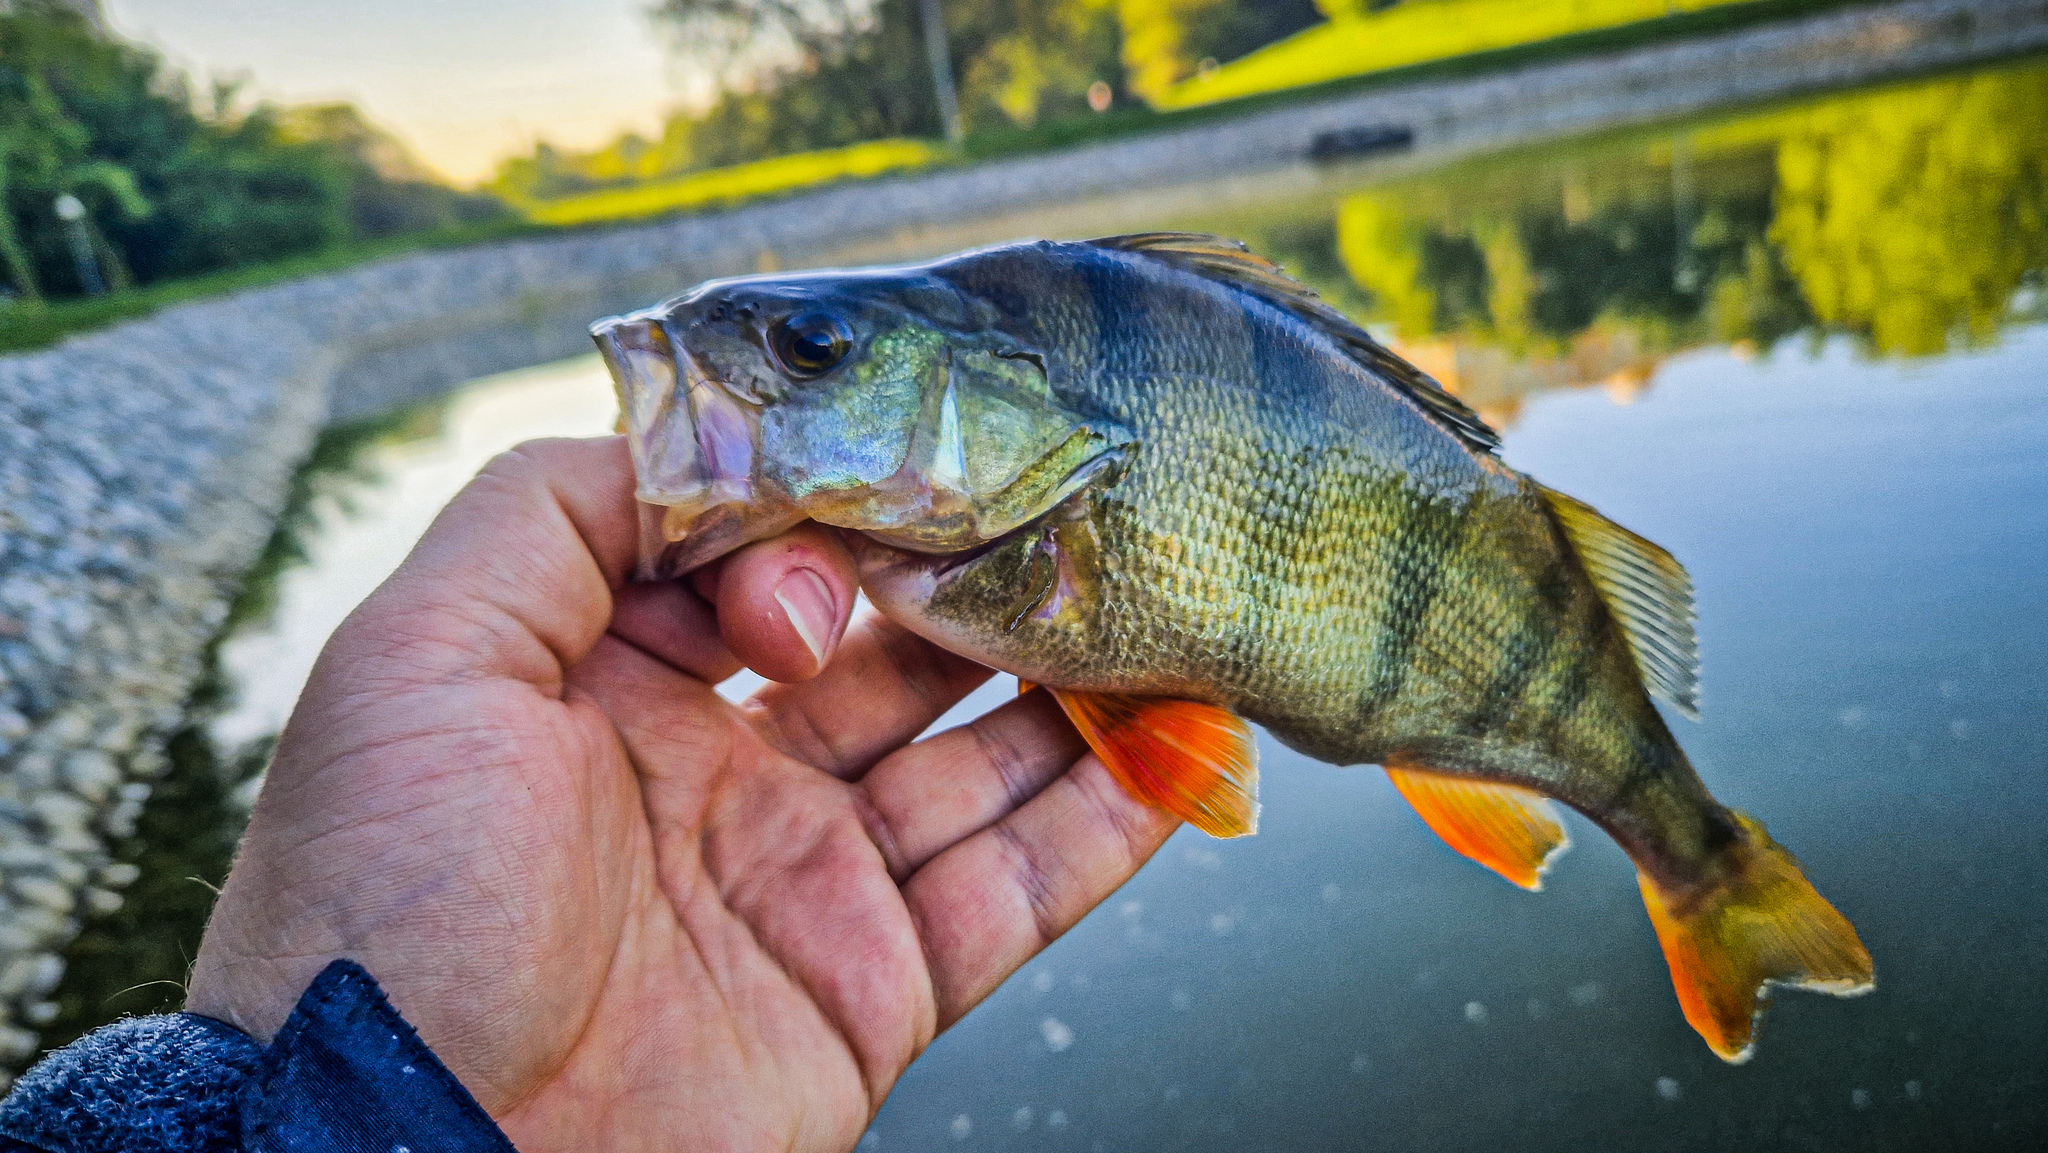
x=1648 y=592
x=1230 y=262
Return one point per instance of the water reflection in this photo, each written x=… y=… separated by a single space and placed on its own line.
x=1907 y=217
x=365 y=532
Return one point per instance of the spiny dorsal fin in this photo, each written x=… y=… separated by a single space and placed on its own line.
x=1230 y=262
x=1648 y=592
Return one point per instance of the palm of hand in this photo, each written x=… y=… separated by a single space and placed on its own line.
x=627 y=913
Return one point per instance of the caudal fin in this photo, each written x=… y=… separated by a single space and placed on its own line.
x=1762 y=925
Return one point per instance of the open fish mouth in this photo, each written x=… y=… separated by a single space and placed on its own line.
x=694 y=447
x=705 y=487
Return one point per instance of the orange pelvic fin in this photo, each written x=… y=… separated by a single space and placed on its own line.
x=1196 y=761
x=1762 y=924
x=1513 y=831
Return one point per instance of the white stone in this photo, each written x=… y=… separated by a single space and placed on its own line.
x=44 y=891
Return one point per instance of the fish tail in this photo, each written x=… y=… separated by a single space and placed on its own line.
x=1762 y=924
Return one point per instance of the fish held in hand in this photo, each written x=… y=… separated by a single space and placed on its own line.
x=1159 y=477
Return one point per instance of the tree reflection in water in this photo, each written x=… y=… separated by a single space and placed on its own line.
x=1910 y=217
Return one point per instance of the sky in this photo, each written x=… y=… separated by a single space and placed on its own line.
x=463 y=82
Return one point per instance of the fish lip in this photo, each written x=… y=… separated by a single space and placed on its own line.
x=694 y=440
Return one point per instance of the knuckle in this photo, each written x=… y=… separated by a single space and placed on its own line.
x=1003 y=758
x=1032 y=880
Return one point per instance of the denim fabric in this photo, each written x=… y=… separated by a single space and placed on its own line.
x=346 y=1073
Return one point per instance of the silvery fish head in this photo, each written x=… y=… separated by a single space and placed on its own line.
x=885 y=401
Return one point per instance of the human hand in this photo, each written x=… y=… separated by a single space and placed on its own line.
x=627 y=913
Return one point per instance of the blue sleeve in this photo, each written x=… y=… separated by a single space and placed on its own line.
x=346 y=1073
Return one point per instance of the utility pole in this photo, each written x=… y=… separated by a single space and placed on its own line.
x=941 y=59
x=71 y=211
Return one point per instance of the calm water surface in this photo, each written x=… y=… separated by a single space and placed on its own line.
x=1804 y=348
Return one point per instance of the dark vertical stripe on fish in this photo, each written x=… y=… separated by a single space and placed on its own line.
x=1418 y=566
x=1527 y=648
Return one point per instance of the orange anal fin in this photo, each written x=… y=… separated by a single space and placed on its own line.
x=1024 y=686
x=1513 y=831
x=1196 y=761
x=1763 y=924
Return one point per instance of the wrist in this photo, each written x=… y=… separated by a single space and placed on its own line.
x=253 y=994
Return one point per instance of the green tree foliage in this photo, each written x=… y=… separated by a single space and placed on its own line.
x=1031 y=61
x=797 y=75
x=170 y=190
x=389 y=192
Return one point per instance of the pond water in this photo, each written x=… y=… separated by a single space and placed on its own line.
x=1805 y=347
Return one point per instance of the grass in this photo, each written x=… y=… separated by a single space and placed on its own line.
x=740 y=182
x=25 y=326
x=1414 y=33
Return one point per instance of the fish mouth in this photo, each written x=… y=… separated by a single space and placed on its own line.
x=876 y=553
x=693 y=443
x=703 y=491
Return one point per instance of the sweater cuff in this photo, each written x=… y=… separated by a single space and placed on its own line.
x=166 y=1084
x=346 y=1074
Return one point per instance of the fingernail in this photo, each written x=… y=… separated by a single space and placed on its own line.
x=807 y=601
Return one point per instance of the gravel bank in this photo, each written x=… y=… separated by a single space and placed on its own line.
x=142 y=467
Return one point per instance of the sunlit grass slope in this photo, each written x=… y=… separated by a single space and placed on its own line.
x=739 y=182
x=1412 y=33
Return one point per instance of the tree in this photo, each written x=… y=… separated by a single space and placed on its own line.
x=171 y=190
x=1167 y=41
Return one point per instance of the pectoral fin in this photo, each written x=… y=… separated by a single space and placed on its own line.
x=1196 y=761
x=1513 y=831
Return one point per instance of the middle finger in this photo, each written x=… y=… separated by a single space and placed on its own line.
x=884 y=686
x=930 y=796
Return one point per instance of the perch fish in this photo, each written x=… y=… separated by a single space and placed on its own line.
x=1163 y=479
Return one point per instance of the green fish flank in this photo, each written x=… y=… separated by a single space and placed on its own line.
x=1157 y=467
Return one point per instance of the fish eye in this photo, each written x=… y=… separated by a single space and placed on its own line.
x=811 y=343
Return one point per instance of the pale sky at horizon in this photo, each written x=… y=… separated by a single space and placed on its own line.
x=463 y=82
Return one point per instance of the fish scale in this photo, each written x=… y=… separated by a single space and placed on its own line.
x=1195 y=495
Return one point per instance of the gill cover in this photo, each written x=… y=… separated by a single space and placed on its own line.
x=924 y=438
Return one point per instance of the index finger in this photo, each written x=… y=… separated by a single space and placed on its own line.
x=529 y=566
x=515 y=577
